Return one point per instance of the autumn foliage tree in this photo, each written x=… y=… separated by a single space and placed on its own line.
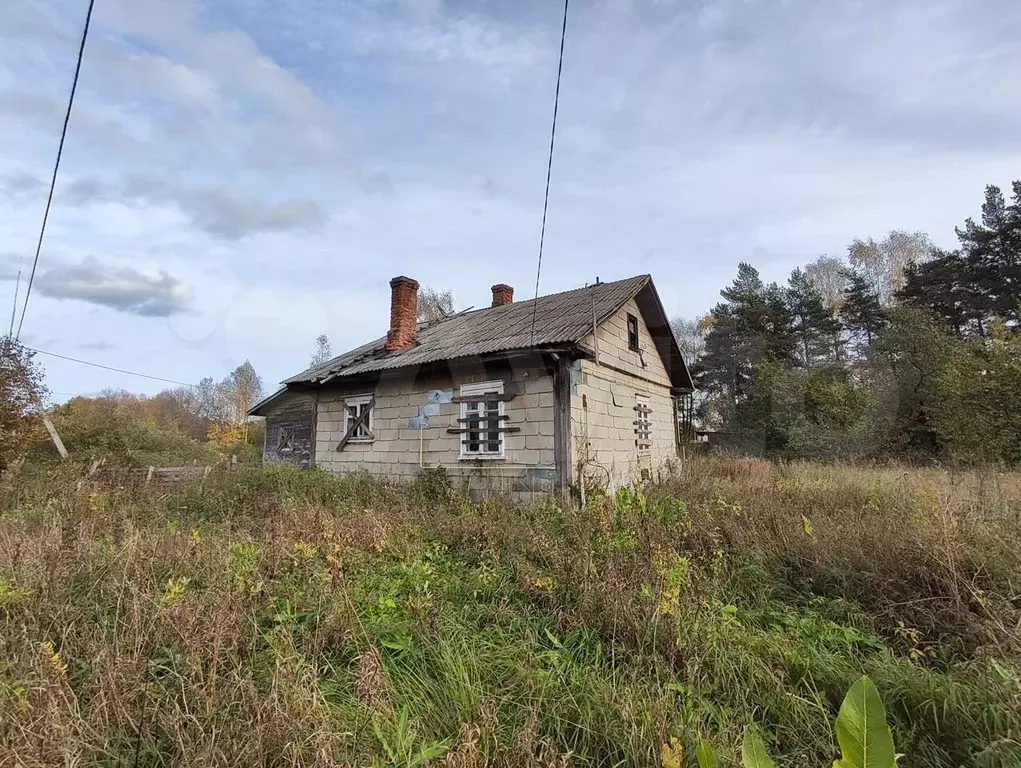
x=21 y=396
x=235 y=396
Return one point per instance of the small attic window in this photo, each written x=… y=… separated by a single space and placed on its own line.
x=632 y=332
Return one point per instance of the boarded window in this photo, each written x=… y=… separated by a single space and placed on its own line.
x=632 y=332
x=355 y=407
x=481 y=420
x=285 y=440
x=643 y=423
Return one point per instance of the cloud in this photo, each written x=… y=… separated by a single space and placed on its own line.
x=104 y=125
x=7 y=269
x=97 y=346
x=225 y=213
x=196 y=60
x=206 y=136
x=472 y=39
x=176 y=82
x=124 y=289
x=20 y=186
x=377 y=183
x=87 y=192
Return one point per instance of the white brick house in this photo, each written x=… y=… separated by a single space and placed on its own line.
x=519 y=398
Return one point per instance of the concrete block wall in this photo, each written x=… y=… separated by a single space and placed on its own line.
x=528 y=461
x=604 y=451
x=614 y=350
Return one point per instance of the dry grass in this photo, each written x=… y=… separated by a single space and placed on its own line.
x=930 y=548
x=282 y=619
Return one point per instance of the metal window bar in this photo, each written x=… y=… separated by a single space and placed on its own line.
x=643 y=425
x=482 y=430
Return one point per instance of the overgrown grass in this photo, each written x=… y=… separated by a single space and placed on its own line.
x=285 y=618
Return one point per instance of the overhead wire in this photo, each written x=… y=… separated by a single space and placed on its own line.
x=549 y=170
x=56 y=165
x=110 y=368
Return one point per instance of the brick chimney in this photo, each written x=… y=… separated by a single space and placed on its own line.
x=502 y=294
x=403 y=313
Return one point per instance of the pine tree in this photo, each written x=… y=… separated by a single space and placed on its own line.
x=817 y=330
x=993 y=253
x=946 y=287
x=722 y=368
x=776 y=328
x=862 y=313
x=751 y=325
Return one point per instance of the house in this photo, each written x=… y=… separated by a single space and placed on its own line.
x=520 y=397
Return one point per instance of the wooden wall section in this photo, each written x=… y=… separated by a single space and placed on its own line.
x=293 y=416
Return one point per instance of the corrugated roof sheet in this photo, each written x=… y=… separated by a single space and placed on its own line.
x=559 y=318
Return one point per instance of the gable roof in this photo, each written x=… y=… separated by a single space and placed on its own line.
x=560 y=318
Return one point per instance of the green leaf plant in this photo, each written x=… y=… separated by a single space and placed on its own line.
x=864 y=737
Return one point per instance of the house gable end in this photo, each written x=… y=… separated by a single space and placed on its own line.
x=662 y=334
x=656 y=356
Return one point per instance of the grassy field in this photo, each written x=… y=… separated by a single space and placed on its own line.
x=287 y=618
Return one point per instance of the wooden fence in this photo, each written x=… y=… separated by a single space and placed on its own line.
x=156 y=477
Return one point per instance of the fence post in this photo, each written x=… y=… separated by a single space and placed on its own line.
x=233 y=462
x=148 y=477
x=205 y=474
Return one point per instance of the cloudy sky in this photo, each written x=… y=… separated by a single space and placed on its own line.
x=240 y=176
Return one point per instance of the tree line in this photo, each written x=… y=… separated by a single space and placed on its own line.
x=210 y=416
x=182 y=423
x=899 y=349
x=179 y=424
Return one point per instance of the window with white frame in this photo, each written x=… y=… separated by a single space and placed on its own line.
x=353 y=408
x=643 y=423
x=481 y=421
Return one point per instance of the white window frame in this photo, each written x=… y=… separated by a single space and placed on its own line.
x=643 y=419
x=356 y=401
x=482 y=388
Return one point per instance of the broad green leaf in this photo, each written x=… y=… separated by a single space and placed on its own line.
x=705 y=755
x=807 y=525
x=753 y=751
x=864 y=737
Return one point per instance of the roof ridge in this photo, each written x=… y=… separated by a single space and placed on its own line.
x=585 y=287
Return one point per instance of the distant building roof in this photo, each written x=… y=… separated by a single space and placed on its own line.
x=560 y=318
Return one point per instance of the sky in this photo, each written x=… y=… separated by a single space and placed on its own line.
x=240 y=176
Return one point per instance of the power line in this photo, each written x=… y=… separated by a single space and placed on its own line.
x=110 y=368
x=549 y=170
x=56 y=165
